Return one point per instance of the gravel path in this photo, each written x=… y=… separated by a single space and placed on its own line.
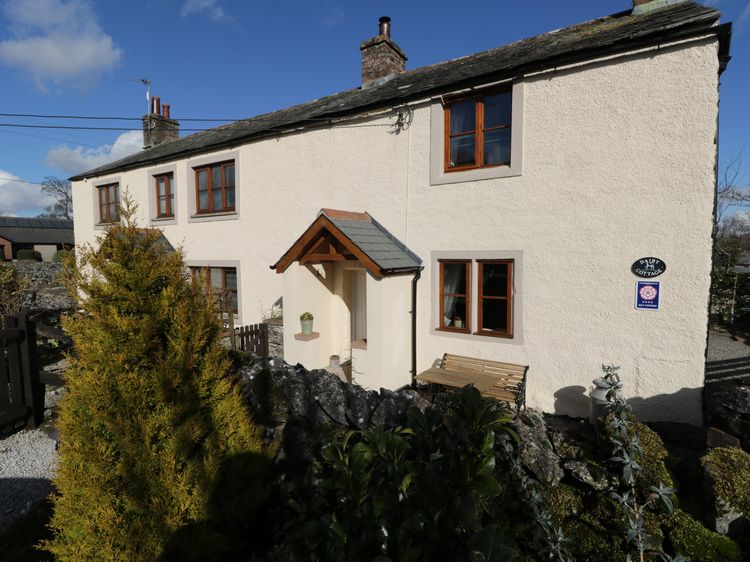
x=721 y=346
x=27 y=464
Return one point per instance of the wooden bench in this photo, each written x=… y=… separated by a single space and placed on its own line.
x=503 y=381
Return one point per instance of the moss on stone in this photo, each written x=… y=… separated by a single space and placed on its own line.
x=693 y=540
x=563 y=501
x=730 y=469
x=654 y=455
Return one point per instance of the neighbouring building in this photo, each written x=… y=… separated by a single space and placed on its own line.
x=46 y=236
x=489 y=206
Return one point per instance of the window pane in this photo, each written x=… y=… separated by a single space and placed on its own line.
x=171 y=203
x=497 y=110
x=161 y=186
x=215 y=277
x=495 y=315
x=454 y=312
x=112 y=211
x=102 y=212
x=462 y=151
x=232 y=301
x=203 y=200
x=454 y=278
x=463 y=117
x=497 y=147
x=229 y=175
x=216 y=180
x=203 y=180
x=162 y=206
x=495 y=279
x=230 y=197
x=217 y=198
x=231 y=277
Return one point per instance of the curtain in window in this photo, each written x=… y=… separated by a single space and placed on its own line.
x=454 y=276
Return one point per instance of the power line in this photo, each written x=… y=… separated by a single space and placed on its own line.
x=100 y=118
x=71 y=127
x=21 y=181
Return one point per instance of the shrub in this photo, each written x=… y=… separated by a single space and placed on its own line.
x=696 y=542
x=409 y=493
x=28 y=255
x=159 y=458
x=13 y=287
x=730 y=468
x=62 y=255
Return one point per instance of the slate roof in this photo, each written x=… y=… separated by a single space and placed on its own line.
x=23 y=230
x=389 y=253
x=616 y=33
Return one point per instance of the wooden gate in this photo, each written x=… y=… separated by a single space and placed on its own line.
x=21 y=393
x=253 y=338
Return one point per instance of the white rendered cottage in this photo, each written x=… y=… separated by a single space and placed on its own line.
x=511 y=190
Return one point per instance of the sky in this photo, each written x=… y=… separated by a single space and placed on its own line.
x=232 y=59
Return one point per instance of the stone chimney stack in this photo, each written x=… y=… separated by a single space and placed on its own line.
x=645 y=6
x=158 y=126
x=382 y=59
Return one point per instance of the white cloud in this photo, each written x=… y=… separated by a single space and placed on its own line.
x=78 y=159
x=21 y=199
x=211 y=7
x=55 y=42
x=744 y=17
x=333 y=18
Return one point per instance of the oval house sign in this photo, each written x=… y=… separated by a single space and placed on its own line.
x=648 y=267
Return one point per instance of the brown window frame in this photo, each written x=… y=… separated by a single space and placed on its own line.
x=509 y=298
x=196 y=271
x=441 y=322
x=209 y=168
x=169 y=178
x=105 y=216
x=479 y=130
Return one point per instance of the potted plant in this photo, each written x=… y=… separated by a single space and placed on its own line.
x=306 y=318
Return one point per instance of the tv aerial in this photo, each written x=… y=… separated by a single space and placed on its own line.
x=146 y=82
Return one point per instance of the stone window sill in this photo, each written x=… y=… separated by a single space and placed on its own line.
x=306 y=337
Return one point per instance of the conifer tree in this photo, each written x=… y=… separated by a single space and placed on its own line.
x=159 y=458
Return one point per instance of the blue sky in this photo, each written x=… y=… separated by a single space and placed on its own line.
x=224 y=59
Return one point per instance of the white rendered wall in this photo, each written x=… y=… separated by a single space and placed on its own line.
x=618 y=164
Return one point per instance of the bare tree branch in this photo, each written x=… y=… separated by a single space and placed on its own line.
x=62 y=192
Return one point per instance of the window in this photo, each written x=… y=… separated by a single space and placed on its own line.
x=495 y=298
x=455 y=302
x=223 y=282
x=164 y=195
x=475 y=294
x=478 y=131
x=109 y=202
x=214 y=186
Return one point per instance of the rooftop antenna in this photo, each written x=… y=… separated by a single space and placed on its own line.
x=146 y=82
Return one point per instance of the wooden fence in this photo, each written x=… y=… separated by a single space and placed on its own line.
x=21 y=393
x=253 y=338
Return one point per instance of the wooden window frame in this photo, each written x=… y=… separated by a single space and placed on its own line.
x=105 y=216
x=205 y=270
x=479 y=130
x=481 y=297
x=441 y=295
x=209 y=168
x=168 y=177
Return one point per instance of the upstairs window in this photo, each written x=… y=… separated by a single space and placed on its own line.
x=214 y=185
x=109 y=202
x=478 y=131
x=164 y=195
x=223 y=282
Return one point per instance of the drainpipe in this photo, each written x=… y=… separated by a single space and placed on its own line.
x=417 y=275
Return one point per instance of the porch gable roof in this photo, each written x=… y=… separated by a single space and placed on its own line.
x=351 y=236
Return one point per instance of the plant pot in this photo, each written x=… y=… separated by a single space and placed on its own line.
x=307 y=326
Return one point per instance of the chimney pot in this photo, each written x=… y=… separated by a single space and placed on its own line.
x=165 y=110
x=156 y=105
x=385 y=26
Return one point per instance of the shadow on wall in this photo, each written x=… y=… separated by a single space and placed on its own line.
x=684 y=406
x=18 y=495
